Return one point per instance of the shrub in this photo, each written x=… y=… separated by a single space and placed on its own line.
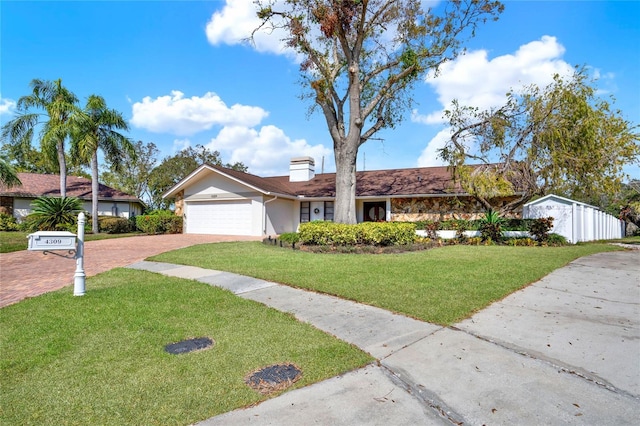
x=540 y=228
x=517 y=224
x=366 y=233
x=491 y=226
x=159 y=222
x=132 y=224
x=386 y=233
x=290 y=237
x=421 y=224
x=318 y=233
x=8 y=223
x=461 y=226
x=474 y=241
x=114 y=225
x=27 y=225
x=54 y=213
x=431 y=228
x=526 y=241
x=556 y=240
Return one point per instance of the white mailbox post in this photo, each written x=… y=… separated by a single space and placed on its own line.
x=79 y=276
x=47 y=241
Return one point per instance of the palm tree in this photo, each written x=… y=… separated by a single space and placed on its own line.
x=8 y=176
x=96 y=128
x=50 y=105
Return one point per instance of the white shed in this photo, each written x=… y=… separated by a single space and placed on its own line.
x=574 y=220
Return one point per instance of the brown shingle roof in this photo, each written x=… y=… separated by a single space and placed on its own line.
x=394 y=182
x=264 y=184
x=36 y=185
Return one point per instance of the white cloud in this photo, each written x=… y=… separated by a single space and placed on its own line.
x=266 y=152
x=475 y=80
x=182 y=116
x=606 y=81
x=180 y=144
x=7 y=106
x=235 y=23
x=429 y=156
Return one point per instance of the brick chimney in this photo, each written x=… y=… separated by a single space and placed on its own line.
x=301 y=169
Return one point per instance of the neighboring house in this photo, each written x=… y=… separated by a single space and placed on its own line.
x=217 y=200
x=16 y=200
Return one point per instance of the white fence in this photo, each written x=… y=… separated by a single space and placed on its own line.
x=574 y=220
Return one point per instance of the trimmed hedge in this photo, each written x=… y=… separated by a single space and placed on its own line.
x=8 y=223
x=473 y=225
x=115 y=225
x=159 y=222
x=366 y=233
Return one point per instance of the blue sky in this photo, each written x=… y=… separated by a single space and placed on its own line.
x=179 y=74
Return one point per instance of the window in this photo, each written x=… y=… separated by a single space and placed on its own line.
x=305 y=208
x=328 y=210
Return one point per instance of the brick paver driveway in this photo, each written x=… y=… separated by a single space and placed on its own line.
x=30 y=273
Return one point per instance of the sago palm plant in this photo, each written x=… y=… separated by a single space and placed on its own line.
x=491 y=226
x=54 y=213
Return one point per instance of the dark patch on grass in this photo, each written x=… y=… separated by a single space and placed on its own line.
x=273 y=378
x=189 y=345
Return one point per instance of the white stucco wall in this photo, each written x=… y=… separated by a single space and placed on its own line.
x=109 y=208
x=22 y=208
x=274 y=217
x=280 y=216
x=211 y=183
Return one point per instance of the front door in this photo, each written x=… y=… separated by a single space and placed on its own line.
x=375 y=211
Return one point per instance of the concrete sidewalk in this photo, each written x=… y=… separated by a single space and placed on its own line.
x=564 y=350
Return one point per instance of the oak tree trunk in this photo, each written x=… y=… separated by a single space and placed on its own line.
x=345 y=206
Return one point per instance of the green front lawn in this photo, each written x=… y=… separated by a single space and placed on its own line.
x=442 y=286
x=628 y=240
x=99 y=359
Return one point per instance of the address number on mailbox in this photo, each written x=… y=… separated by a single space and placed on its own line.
x=52 y=240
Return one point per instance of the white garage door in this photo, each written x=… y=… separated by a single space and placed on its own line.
x=219 y=218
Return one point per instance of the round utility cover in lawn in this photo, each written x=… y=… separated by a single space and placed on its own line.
x=189 y=345
x=273 y=378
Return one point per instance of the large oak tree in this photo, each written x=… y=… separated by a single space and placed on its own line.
x=360 y=59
